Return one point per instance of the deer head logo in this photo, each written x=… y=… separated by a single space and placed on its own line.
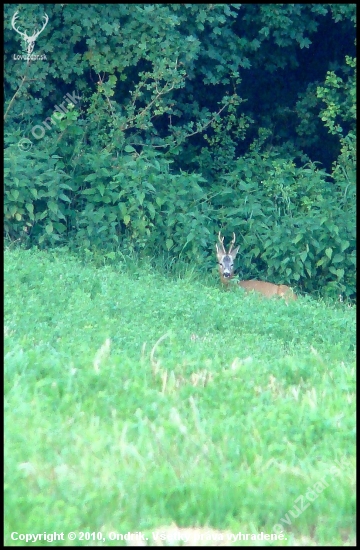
x=29 y=40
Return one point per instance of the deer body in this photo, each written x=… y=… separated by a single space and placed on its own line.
x=226 y=269
x=268 y=289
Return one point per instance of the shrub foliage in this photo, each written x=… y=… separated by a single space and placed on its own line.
x=150 y=127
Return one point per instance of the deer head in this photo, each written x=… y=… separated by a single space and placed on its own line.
x=226 y=259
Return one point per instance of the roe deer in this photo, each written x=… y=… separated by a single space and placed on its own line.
x=226 y=269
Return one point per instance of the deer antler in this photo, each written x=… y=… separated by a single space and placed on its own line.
x=46 y=17
x=221 y=241
x=14 y=18
x=232 y=243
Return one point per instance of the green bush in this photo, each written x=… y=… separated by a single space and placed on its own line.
x=296 y=225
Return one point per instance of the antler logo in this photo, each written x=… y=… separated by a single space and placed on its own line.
x=29 y=40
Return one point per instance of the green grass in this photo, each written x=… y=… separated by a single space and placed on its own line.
x=242 y=408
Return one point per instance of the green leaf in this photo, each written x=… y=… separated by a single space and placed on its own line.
x=298 y=238
x=152 y=210
x=101 y=189
x=91 y=177
x=329 y=252
x=42 y=215
x=304 y=42
x=64 y=197
x=53 y=206
x=160 y=201
x=344 y=245
x=60 y=227
x=321 y=262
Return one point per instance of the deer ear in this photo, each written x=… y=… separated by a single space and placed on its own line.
x=234 y=252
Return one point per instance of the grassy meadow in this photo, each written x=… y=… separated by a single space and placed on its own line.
x=136 y=400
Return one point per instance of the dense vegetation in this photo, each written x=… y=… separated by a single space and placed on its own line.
x=136 y=401
x=150 y=127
